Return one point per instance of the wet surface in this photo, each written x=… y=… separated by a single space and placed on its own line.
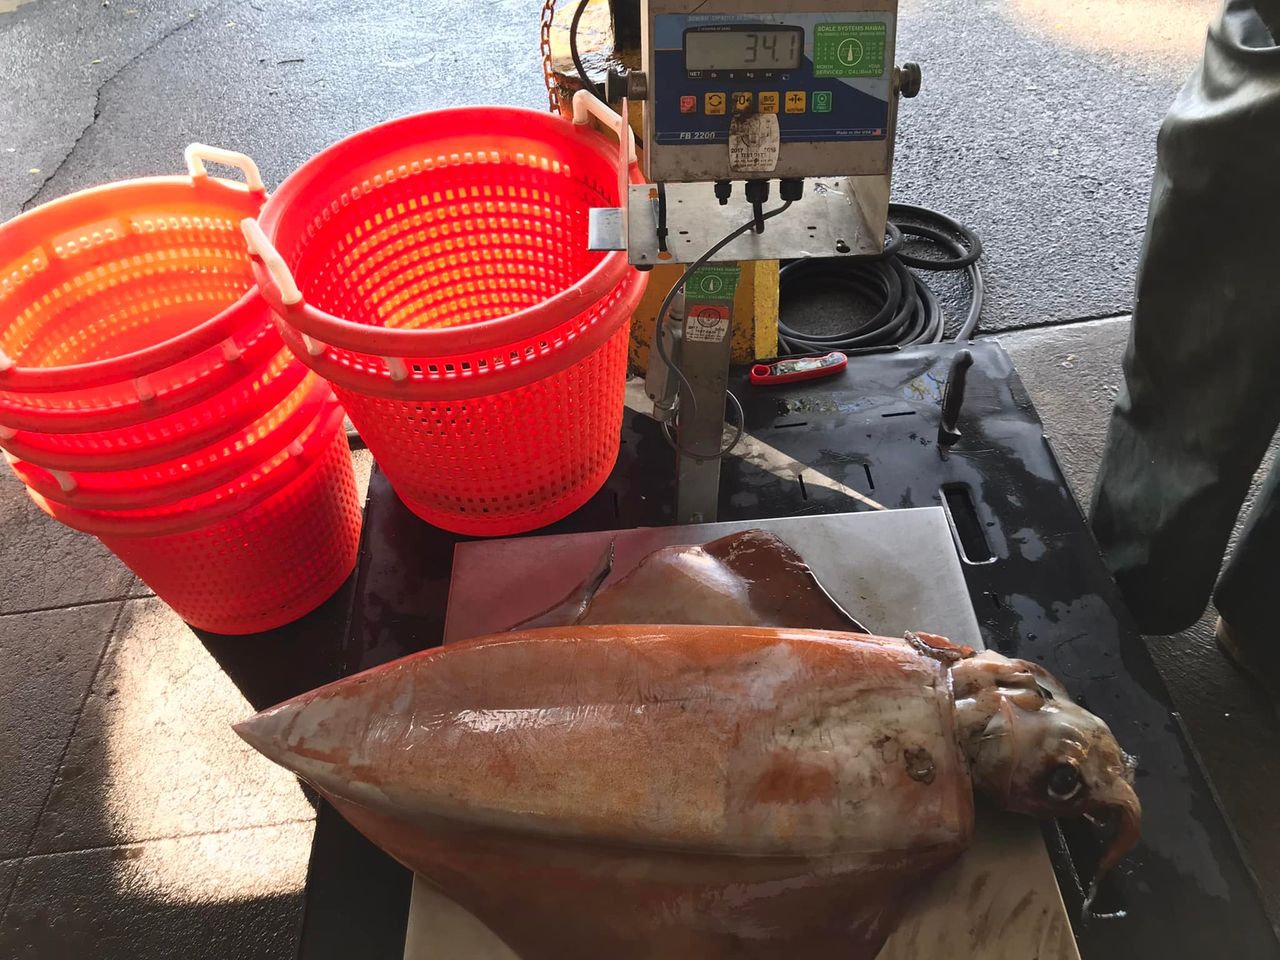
x=42 y=688
x=1044 y=596
x=50 y=658
x=1073 y=373
x=1035 y=125
x=277 y=80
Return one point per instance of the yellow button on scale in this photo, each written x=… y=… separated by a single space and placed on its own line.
x=742 y=102
x=769 y=101
x=714 y=104
x=796 y=101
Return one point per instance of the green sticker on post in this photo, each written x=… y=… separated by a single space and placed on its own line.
x=713 y=283
x=849 y=49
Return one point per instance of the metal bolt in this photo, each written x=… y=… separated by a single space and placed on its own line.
x=908 y=78
x=615 y=85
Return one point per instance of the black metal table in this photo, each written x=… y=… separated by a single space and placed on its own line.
x=1033 y=572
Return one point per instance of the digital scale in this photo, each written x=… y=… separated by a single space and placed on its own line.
x=779 y=118
x=744 y=92
x=735 y=92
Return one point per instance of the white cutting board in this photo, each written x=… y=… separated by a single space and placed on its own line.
x=895 y=571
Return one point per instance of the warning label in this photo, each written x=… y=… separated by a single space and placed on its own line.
x=707 y=322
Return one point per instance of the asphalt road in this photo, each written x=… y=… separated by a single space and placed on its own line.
x=1035 y=126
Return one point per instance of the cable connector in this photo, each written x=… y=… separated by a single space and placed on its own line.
x=757 y=192
x=791 y=188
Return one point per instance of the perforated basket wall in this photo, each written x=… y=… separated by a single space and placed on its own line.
x=506 y=462
x=194 y=472
x=165 y=437
x=264 y=566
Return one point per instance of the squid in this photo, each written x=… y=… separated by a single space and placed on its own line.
x=700 y=791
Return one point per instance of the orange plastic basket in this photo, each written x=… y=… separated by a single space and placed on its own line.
x=435 y=270
x=130 y=302
x=255 y=554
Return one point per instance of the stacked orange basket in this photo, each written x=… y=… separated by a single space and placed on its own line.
x=147 y=398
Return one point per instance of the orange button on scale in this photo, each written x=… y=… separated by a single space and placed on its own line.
x=742 y=102
x=714 y=104
x=769 y=101
x=796 y=101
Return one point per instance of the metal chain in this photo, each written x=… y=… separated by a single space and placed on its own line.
x=548 y=15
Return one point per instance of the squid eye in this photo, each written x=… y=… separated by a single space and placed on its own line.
x=1064 y=782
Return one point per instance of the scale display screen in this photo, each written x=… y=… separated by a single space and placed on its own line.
x=743 y=48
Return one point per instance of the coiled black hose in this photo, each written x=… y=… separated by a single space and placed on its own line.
x=909 y=311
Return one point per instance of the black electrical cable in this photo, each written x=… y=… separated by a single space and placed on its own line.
x=740 y=427
x=587 y=84
x=909 y=311
x=938 y=227
x=660 y=340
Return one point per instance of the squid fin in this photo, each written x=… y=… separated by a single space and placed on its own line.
x=574 y=605
x=855 y=624
x=783 y=588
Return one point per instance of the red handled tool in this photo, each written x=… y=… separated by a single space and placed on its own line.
x=795 y=369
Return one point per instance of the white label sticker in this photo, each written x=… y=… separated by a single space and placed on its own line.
x=753 y=142
x=707 y=323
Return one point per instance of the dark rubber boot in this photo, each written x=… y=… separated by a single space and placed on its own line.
x=1200 y=402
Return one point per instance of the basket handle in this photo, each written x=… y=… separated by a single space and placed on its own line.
x=587 y=105
x=198 y=154
x=260 y=248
